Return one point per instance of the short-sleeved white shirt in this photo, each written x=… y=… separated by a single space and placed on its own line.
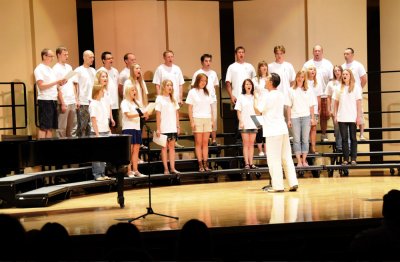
x=286 y=72
x=99 y=111
x=112 y=85
x=67 y=90
x=316 y=91
x=300 y=102
x=201 y=103
x=47 y=75
x=124 y=75
x=85 y=80
x=330 y=89
x=259 y=86
x=173 y=73
x=245 y=104
x=237 y=73
x=271 y=106
x=129 y=123
x=324 y=72
x=212 y=82
x=357 y=69
x=128 y=83
x=168 y=114
x=347 y=110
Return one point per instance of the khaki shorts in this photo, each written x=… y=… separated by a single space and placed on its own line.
x=202 y=125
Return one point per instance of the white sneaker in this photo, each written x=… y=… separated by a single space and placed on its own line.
x=138 y=174
x=261 y=153
x=131 y=174
x=362 y=138
x=325 y=139
x=100 y=178
x=140 y=161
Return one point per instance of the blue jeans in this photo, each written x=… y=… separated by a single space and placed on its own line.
x=301 y=134
x=349 y=129
x=338 y=137
x=99 y=168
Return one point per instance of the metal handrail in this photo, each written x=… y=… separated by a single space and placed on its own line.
x=13 y=106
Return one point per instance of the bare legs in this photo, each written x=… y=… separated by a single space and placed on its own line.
x=171 y=155
x=248 y=147
x=201 y=149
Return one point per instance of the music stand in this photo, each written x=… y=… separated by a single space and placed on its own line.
x=150 y=210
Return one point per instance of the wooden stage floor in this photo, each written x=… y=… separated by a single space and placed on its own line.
x=222 y=204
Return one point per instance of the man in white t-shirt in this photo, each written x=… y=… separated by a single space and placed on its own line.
x=125 y=73
x=237 y=73
x=112 y=88
x=168 y=70
x=360 y=76
x=212 y=85
x=48 y=86
x=84 y=81
x=67 y=98
x=276 y=135
x=324 y=75
x=286 y=72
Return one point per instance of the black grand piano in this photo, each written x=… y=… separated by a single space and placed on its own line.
x=18 y=153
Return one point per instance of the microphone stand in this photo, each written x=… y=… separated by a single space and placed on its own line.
x=150 y=210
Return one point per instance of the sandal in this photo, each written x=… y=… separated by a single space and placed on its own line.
x=201 y=168
x=175 y=172
x=166 y=173
x=345 y=163
x=247 y=166
x=252 y=166
x=353 y=163
x=205 y=165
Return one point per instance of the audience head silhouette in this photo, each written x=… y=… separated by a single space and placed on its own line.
x=123 y=234
x=391 y=205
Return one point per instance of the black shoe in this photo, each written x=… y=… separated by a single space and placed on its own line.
x=252 y=166
x=143 y=147
x=294 y=188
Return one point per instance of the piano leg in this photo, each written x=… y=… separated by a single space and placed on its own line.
x=120 y=187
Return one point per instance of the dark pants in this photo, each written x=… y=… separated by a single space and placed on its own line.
x=346 y=129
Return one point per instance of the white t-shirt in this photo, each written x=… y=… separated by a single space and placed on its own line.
x=112 y=85
x=357 y=69
x=237 y=73
x=300 y=102
x=172 y=73
x=286 y=73
x=324 y=72
x=129 y=123
x=347 y=110
x=168 y=114
x=212 y=82
x=245 y=104
x=124 y=75
x=271 y=106
x=68 y=89
x=330 y=89
x=85 y=80
x=316 y=91
x=99 y=111
x=139 y=97
x=201 y=103
x=259 y=86
x=47 y=75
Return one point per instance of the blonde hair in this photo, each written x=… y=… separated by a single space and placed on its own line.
x=98 y=77
x=351 y=81
x=96 y=90
x=164 y=85
x=305 y=83
x=315 y=77
x=140 y=81
x=128 y=96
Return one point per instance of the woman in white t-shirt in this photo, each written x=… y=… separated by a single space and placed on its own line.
x=200 y=115
x=99 y=125
x=102 y=78
x=260 y=88
x=347 y=113
x=245 y=109
x=316 y=89
x=300 y=104
x=333 y=85
x=131 y=114
x=167 y=117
